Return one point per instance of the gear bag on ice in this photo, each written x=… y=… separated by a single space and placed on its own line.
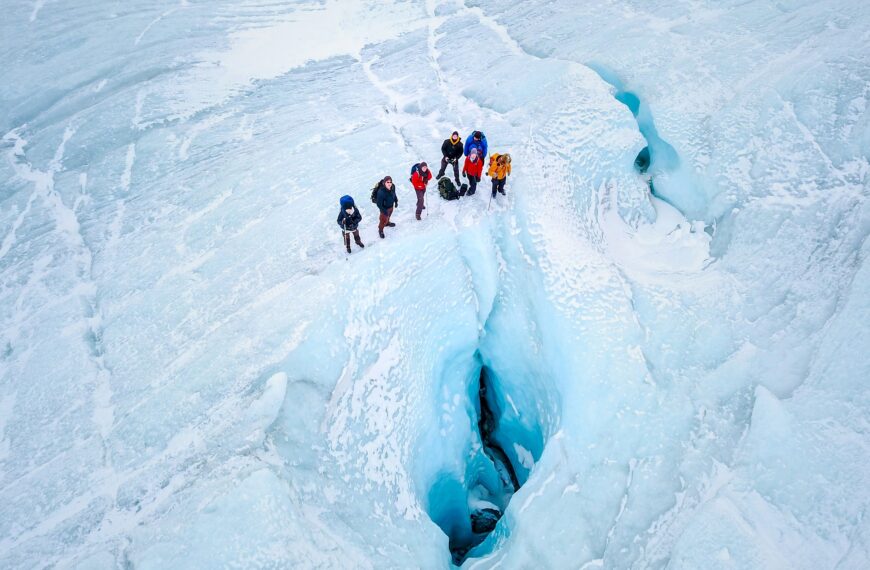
x=447 y=190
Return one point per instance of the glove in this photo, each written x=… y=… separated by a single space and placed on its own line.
x=464 y=176
x=397 y=203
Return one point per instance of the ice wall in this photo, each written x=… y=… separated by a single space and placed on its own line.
x=193 y=373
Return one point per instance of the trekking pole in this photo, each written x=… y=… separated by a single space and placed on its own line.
x=490 y=203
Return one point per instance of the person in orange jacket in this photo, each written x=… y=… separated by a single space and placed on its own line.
x=499 y=170
x=419 y=179
x=473 y=170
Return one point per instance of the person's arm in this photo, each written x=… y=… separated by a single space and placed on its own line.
x=509 y=168
x=339 y=219
x=357 y=216
x=445 y=148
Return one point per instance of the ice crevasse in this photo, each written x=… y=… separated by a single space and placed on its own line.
x=625 y=362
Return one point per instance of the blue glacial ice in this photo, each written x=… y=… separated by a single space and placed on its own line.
x=193 y=374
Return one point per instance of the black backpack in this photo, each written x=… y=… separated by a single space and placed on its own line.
x=447 y=189
x=375 y=192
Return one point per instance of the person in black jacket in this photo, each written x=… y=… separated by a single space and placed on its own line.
x=348 y=220
x=451 y=150
x=386 y=200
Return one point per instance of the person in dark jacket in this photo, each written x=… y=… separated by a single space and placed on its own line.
x=386 y=201
x=473 y=170
x=451 y=151
x=476 y=140
x=419 y=180
x=348 y=220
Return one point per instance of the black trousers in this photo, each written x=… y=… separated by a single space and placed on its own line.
x=498 y=185
x=455 y=163
x=472 y=184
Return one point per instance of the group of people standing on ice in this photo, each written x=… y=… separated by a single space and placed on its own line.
x=452 y=150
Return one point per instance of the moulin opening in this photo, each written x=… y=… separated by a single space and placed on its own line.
x=493 y=478
x=487 y=425
x=468 y=498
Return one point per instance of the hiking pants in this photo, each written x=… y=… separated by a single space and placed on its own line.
x=355 y=238
x=444 y=162
x=420 y=195
x=498 y=185
x=384 y=219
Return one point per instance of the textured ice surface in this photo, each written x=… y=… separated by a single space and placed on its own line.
x=192 y=375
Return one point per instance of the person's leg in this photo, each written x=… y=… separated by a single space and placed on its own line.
x=357 y=239
x=501 y=184
x=443 y=167
x=456 y=171
x=419 y=202
x=382 y=221
x=494 y=186
x=390 y=215
x=472 y=185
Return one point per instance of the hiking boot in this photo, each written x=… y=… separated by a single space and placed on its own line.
x=359 y=243
x=391 y=225
x=348 y=249
x=418 y=216
x=381 y=233
x=500 y=191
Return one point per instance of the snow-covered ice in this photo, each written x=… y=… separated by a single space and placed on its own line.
x=193 y=374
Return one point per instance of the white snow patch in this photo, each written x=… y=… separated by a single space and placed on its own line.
x=338 y=27
x=525 y=456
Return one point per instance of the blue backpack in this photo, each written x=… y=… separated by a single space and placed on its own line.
x=415 y=168
x=346 y=202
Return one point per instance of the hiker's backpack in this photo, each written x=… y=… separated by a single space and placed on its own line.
x=346 y=202
x=415 y=168
x=375 y=192
x=447 y=190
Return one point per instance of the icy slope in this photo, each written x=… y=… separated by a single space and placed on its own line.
x=193 y=376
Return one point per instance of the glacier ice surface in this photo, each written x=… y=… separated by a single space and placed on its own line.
x=194 y=375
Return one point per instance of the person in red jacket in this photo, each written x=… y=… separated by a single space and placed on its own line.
x=473 y=170
x=419 y=180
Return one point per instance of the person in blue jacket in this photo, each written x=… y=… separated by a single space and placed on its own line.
x=476 y=140
x=348 y=220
